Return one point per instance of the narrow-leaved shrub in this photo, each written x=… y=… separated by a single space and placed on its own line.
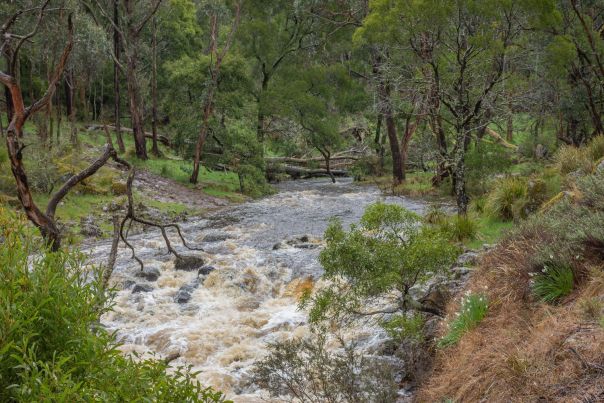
x=52 y=347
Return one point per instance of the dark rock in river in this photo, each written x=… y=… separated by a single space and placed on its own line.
x=128 y=284
x=90 y=228
x=142 y=288
x=185 y=293
x=205 y=270
x=149 y=273
x=217 y=237
x=188 y=263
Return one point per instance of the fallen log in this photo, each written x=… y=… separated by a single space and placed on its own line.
x=304 y=173
x=306 y=161
x=500 y=140
x=160 y=137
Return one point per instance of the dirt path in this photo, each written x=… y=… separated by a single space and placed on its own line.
x=169 y=191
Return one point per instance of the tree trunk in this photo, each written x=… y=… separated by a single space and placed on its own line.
x=140 y=144
x=327 y=156
x=59 y=115
x=410 y=129
x=459 y=171
x=510 y=128
x=116 y=79
x=203 y=134
x=155 y=148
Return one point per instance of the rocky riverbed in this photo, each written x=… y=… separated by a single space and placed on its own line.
x=218 y=312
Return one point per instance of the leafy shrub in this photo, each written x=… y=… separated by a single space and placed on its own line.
x=483 y=160
x=474 y=308
x=388 y=252
x=572 y=159
x=556 y=280
x=460 y=228
x=51 y=346
x=305 y=370
x=506 y=195
x=405 y=327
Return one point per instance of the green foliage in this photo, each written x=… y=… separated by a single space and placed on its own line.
x=405 y=327
x=507 y=197
x=483 y=160
x=473 y=309
x=596 y=148
x=305 y=369
x=388 y=252
x=556 y=280
x=459 y=228
x=51 y=346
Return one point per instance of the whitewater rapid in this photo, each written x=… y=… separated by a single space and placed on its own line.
x=250 y=299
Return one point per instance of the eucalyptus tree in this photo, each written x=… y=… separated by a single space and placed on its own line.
x=458 y=50
x=271 y=34
x=129 y=27
x=573 y=56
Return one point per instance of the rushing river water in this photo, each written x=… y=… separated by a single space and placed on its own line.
x=250 y=299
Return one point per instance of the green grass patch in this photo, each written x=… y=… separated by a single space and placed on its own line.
x=474 y=308
x=490 y=231
x=555 y=281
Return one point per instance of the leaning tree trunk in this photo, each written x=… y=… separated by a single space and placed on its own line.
x=386 y=110
x=327 y=157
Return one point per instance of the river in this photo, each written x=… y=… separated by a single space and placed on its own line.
x=250 y=299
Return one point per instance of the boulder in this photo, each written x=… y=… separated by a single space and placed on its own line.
x=541 y=152
x=459 y=272
x=216 y=237
x=139 y=288
x=128 y=284
x=205 y=270
x=89 y=227
x=185 y=293
x=188 y=263
x=467 y=259
x=151 y=273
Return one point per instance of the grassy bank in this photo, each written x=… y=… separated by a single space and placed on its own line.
x=47 y=168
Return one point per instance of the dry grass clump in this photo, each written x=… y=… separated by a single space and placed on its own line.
x=524 y=350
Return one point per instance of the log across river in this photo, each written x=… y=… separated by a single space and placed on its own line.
x=220 y=321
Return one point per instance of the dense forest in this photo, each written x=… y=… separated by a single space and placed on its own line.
x=309 y=200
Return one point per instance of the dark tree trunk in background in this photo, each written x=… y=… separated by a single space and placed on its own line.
x=71 y=108
x=386 y=110
x=116 y=79
x=155 y=147
x=410 y=129
x=510 y=128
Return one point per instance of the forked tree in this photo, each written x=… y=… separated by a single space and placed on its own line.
x=45 y=221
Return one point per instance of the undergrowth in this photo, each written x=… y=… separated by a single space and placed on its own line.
x=51 y=346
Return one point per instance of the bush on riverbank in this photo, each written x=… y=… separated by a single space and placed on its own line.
x=52 y=347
